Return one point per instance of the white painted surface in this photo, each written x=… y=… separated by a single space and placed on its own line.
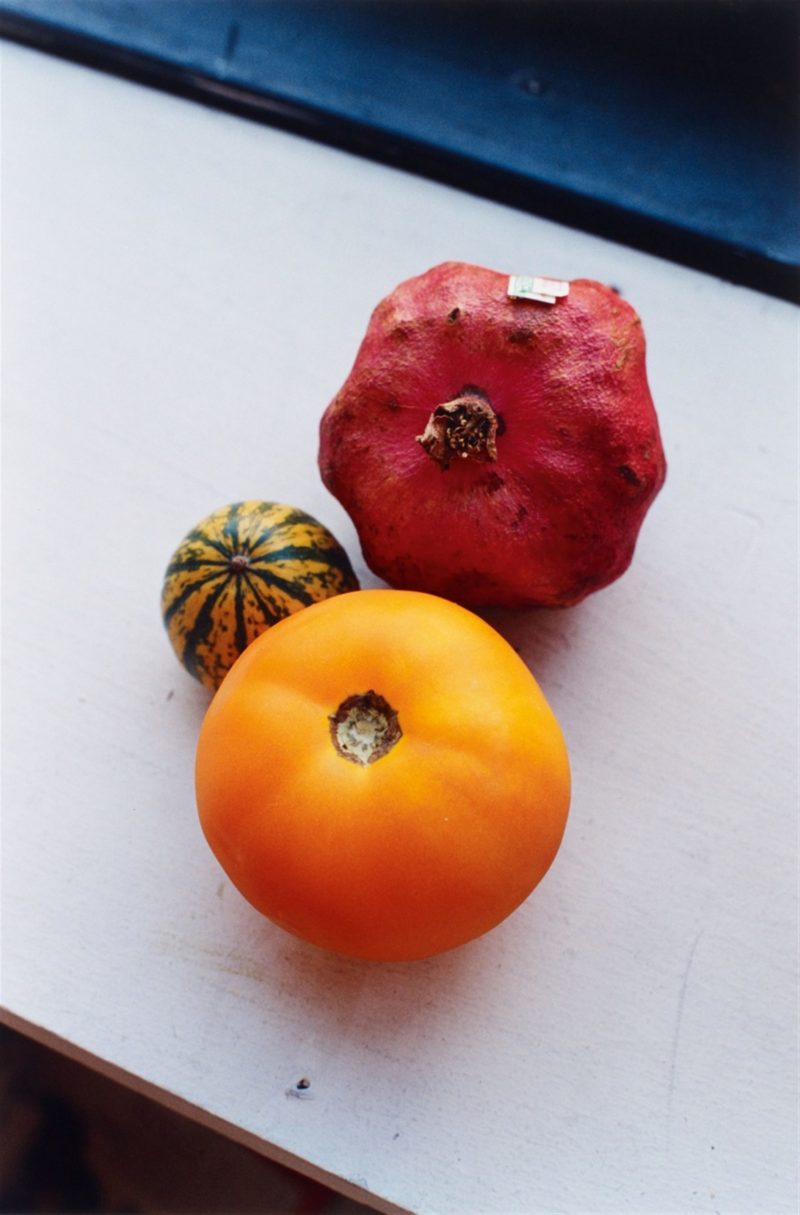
x=184 y=292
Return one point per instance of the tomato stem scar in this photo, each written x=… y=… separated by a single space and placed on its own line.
x=364 y=728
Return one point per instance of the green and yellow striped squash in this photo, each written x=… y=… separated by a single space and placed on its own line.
x=241 y=570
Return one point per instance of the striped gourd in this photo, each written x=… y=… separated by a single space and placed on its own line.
x=241 y=570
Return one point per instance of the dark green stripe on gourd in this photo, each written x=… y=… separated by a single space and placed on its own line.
x=241 y=570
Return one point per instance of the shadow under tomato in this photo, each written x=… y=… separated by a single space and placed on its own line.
x=385 y=1003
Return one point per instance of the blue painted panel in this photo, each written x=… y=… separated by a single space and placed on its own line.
x=670 y=126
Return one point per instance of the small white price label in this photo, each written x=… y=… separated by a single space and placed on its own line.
x=534 y=287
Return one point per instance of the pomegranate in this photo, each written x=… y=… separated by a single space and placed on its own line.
x=496 y=450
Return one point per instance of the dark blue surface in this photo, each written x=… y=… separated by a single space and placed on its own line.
x=669 y=126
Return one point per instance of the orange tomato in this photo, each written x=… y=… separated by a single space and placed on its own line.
x=380 y=774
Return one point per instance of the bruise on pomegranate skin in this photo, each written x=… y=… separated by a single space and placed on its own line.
x=576 y=443
x=519 y=517
x=627 y=474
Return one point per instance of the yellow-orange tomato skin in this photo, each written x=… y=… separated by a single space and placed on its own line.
x=425 y=848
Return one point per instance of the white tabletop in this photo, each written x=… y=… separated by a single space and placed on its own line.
x=184 y=292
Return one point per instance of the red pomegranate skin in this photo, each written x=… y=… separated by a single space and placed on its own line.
x=578 y=461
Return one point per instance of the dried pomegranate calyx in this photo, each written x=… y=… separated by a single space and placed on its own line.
x=464 y=428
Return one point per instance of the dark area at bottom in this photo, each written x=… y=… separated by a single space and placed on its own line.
x=75 y=1141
